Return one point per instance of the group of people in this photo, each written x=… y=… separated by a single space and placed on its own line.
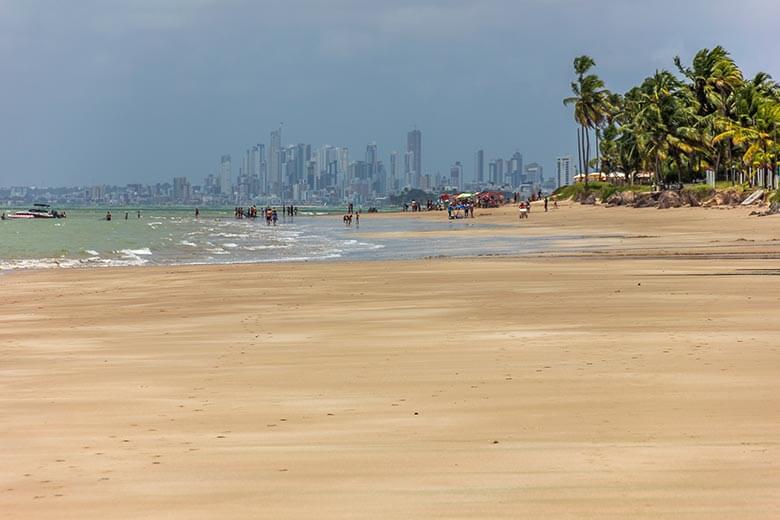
x=415 y=206
x=454 y=210
x=351 y=213
x=127 y=215
x=270 y=214
x=524 y=208
x=348 y=219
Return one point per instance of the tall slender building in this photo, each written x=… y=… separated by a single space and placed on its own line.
x=565 y=176
x=343 y=162
x=479 y=170
x=392 y=183
x=515 y=170
x=372 y=159
x=225 y=176
x=456 y=175
x=409 y=173
x=414 y=145
x=274 y=161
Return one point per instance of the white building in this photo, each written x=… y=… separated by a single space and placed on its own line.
x=225 y=176
x=565 y=173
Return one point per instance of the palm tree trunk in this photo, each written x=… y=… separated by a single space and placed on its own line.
x=598 y=150
x=587 y=150
x=579 y=150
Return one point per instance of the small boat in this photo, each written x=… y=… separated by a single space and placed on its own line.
x=37 y=211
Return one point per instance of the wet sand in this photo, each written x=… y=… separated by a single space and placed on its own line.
x=638 y=380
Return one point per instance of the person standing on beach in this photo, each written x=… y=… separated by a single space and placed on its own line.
x=108 y=215
x=197 y=213
x=139 y=214
x=545 y=204
x=274 y=217
x=127 y=215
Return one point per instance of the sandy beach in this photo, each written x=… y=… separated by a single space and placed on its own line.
x=629 y=374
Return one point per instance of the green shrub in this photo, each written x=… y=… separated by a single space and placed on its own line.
x=700 y=191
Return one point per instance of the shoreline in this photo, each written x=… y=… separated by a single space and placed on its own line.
x=566 y=231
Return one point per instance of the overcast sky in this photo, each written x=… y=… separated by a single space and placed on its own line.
x=118 y=91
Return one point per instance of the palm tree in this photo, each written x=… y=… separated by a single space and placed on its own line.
x=714 y=78
x=756 y=131
x=591 y=106
x=708 y=118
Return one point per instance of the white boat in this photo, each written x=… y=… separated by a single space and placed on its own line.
x=37 y=211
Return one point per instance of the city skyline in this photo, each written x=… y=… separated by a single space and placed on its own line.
x=106 y=92
x=308 y=174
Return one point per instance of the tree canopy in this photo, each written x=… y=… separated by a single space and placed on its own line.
x=678 y=125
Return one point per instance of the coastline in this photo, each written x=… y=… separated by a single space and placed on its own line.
x=635 y=380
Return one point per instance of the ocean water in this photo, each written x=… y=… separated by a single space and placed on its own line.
x=166 y=237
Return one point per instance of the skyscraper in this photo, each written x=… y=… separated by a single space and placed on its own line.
x=225 y=176
x=515 y=170
x=274 y=162
x=392 y=183
x=565 y=176
x=456 y=175
x=372 y=158
x=414 y=145
x=181 y=189
x=534 y=173
x=479 y=170
x=500 y=175
x=343 y=166
x=409 y=173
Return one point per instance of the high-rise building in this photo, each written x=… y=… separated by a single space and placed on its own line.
x=515 y=170
x=409 y=173
x=181 y=189
x=534 y=173
x=274 y=181
x=479 y=170
x=343 y=160
x=565 y=176
x=258 y=168
x=392 y=182
x=500 y=172
x=456 y=175
x=414 y=145
x=225 y=176
x=372 y=158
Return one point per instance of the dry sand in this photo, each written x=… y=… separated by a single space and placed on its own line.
x=639 y=380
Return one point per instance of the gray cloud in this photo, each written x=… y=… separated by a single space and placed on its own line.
x=121 y=90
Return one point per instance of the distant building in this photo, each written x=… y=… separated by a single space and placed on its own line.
x=515 y=169
x=500 y=172
x=414 y=145
x=182 y=191
x=392 y=182
x=534 y=174
x=409 y=173
x=225 y=176
x=565 y=173
x=456 y=175
x=479 y=168
x=274 y=180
